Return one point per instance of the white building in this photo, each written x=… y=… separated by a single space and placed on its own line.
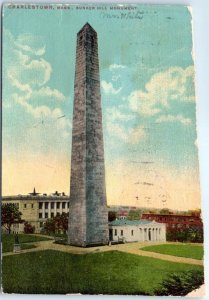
x=137 y=231
x=36 y=208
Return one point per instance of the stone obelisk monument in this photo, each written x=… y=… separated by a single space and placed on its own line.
x=88 y=220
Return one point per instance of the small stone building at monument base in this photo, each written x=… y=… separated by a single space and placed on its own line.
x=137 y=231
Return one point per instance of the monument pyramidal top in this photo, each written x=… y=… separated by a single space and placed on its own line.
x=87 y=27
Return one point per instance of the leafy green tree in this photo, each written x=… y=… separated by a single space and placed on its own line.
x=134 y=214
x=165 y=211
x=10 y=215
x=57 y=224
x=193 y=234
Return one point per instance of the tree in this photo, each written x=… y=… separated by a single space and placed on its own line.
x=165 y=211
x=10 y=215
x=134 y=214
x=193 y=234
x=111 y=216
x=49 y=226
x=62 y=222
x=57 y=224
x=194 y=212
x=28 y=228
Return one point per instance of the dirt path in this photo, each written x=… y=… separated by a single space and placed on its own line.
x=132 y=248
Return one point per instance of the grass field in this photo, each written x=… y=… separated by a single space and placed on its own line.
x=112 y=272
x=184 y=250
x=8 y=241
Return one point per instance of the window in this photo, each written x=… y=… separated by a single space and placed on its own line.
x=40 y=205
x=52 y=205
x=121 y=232
x=46 y=215
x=58 y=214
x=46 y=205
x=40 y=215
x=58 y=205
x=52 y=215
x=63 y=204
x=41 y=224
x=115 y=231
x=25 y=205
x=31 y=205
x=132 y=232
x=68 y=205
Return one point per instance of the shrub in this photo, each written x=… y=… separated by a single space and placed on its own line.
x=56 y=225
x=180 y=284
x=193 y=234
x=28 y=228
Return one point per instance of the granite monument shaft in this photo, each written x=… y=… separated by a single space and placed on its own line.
x=88 y=221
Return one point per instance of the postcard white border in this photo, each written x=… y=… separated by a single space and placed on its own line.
x=200 y=9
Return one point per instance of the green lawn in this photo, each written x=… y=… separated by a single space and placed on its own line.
x=8 y=241
x=27 y=246
x=114 y=272
x=184 y=250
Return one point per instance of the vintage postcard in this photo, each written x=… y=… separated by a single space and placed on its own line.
x=100 y=179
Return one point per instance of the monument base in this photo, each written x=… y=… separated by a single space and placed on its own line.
x=88 y=245
x=16 y=248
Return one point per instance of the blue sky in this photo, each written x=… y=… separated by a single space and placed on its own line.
x=148 y=98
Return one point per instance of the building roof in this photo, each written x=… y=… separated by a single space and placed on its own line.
x=130 y=222
x=20 y=197
x=38 y=196
x=169 y=215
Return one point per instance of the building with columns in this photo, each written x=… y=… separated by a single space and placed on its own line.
x=36 y=208
x=137 y=231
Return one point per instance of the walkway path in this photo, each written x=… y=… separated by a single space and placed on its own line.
x=132 y=248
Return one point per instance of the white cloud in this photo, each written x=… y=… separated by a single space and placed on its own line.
x=127 y=135
x=109 y=89
x=141 y=103
x=50 y=93
x=116 y=66
x=26 y=78
x=37 y=111
x=26 y=81
x=32 y=44
x=114 y=114
x=174 y=84
x=51 y=116
x=116 y=77
x=118 y=131
x=172 y=118
x=12 y=76
x=136 y=134
x=115 y=119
